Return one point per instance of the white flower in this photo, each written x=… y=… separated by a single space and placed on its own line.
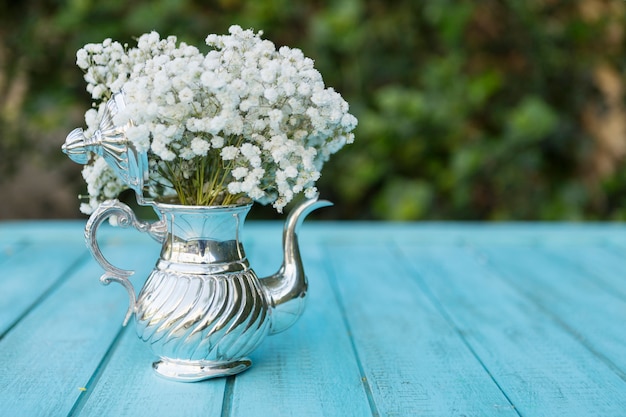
x=217 y=124
x=139 y=135
x=234 y=187
x=102 y=183
x=270 y=94
x=275 y=117
x=160 y=149
x=234 y=125
x=310 y=192
x=288 y=88
x=92 y=119
x=229 y=153
x=348 y=121
x=291 y=172
x=259 y=119
x=304 y=89
x=200 y=147
x=97 y=91
x=185 y=95
x=252 y=153
x=217 y=142
x=187 y=154
x=268 y=74
x=82 y=59
x=240 y=172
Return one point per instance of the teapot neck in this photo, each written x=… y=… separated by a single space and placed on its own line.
x=203 y=238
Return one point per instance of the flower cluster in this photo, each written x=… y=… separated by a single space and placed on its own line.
x=243 y=121
x=102 y=183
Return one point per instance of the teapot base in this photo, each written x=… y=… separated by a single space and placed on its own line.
x=193 y=371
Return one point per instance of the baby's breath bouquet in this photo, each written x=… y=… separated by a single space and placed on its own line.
x=242 y=122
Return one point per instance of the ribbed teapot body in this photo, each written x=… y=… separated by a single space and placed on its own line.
x=202 y=307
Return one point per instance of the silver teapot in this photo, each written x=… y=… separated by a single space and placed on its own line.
x=202 y=309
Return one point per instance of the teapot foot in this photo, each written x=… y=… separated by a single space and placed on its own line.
x=193 y=371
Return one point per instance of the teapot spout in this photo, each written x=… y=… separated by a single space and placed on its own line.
x=286 y=289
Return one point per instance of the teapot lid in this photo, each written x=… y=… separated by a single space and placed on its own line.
x=110 y=142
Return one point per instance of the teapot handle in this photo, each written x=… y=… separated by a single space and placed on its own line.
x=125 y=218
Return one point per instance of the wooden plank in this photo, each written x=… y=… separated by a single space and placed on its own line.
x=126 y=385
x=62 y=231
x=603 y=263
x=586 y=305
x=413 y=232
x=429 y=328
x=542 y=368
x=309 y=369
x=456 y=232
x=57 y=347
x=41 y=230
x=413 y=357
x=9 y=249
x=30 y=273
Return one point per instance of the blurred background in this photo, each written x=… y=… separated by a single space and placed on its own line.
x=468 y=110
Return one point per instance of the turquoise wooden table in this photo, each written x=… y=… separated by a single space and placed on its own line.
x=402 y=320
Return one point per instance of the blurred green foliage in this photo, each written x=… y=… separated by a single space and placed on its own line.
x=479 y=110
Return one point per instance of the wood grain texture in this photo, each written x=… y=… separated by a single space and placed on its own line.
x=437 y=319
x=309 y=369
x=29 y=277
x=539 y=364
x=592 y=309
x=126 y=385
x=412 y=355
x=56 y=348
